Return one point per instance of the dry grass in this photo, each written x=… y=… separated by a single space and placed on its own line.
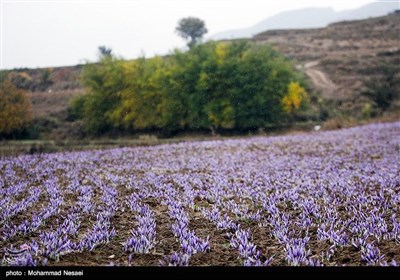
x=347 y=52
x=344 y=122
x=51 y=103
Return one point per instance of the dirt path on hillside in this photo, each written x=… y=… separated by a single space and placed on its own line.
x=319 y=79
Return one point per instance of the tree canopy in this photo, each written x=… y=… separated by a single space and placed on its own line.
x=212 y=86
x=15 y=108
x=104 y=51
x=191 y=29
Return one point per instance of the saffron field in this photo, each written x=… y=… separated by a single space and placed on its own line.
x=328 y=198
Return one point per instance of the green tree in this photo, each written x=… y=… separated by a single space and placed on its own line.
x=229 y=85
x=104 y=51
x=186 y=100
x=215 y=85
x=142 y=100
x=104 y=82
x=191 y=29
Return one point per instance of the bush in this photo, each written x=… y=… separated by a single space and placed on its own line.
x=295 y=98
x=384 y=89
x=76 y=107
x=32 y=80
x=15 y=109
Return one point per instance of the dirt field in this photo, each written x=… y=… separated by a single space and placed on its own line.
x=323 y=198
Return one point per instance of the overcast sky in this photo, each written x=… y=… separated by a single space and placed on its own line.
x=68 y=32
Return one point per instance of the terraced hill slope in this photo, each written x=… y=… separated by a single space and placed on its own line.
x=340 y=57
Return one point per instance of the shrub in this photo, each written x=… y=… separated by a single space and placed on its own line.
x=295 y=98
x=384 y=89
x=15 y=109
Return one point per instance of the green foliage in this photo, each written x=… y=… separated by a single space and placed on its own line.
x=104 y=51
x=104 y=82
x=384 y=90
x=212 y=86
x=142 y=99
x=192 y=29
x=229 y=85
x=76 y=107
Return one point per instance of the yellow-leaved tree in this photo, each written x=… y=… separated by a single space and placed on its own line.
x=295 y=98
x=15 y=108
x=221 y=51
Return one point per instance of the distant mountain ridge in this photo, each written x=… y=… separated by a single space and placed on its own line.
x=309 y=18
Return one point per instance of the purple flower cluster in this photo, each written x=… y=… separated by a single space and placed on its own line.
x=144 y=236
x=85 y=199
x=10 y=210
x=371 y=254
x=335 y=237
x=296 y=252
x=395 y=234
x=221 y=221
x=54 y=245
x=100 y=233
x=176 y=259
x=247 y=250
x=336 y=188
x=190 y=243
x=27 y=226
x=57 y=242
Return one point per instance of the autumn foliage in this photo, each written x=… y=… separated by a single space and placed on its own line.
x=15 y=109
x=212 y=86
x=295 y=98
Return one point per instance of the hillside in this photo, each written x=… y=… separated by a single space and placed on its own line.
x=309 y=18
x=340 y=57
x=49 y=88
x=337 y=59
